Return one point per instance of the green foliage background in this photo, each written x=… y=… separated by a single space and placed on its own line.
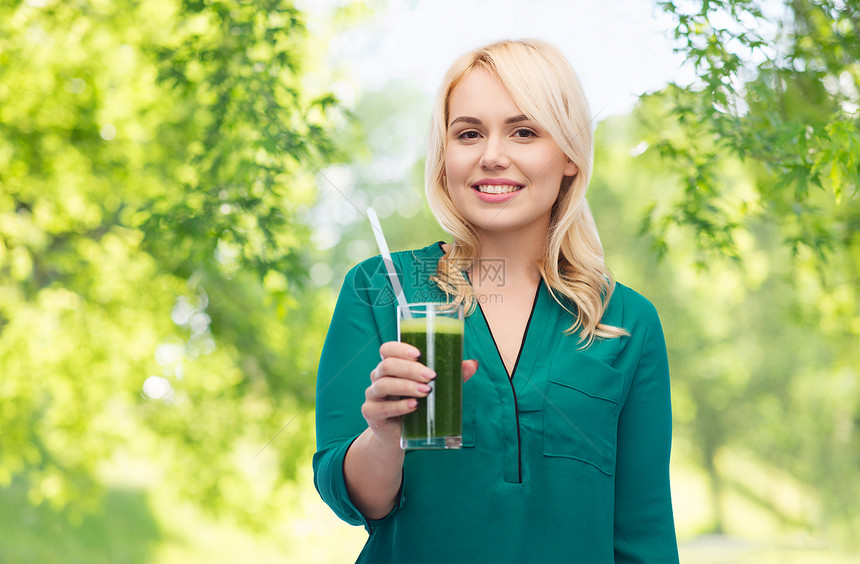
x=765 y=146
x=179 y=200
x=155 y=160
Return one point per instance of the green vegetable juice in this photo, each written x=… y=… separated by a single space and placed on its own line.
x=437 y=423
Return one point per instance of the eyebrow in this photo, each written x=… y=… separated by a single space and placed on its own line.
x=476 y=121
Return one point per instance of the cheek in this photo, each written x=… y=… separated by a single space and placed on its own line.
x=547 y=168
x=457 y=164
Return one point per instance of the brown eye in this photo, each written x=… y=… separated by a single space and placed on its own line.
x=468 y=135
x=524 y=133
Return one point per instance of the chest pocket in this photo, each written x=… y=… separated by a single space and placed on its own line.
x=581 y=416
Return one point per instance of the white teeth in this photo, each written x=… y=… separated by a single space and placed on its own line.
x=500 y=189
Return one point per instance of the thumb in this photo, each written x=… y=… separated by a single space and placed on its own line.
x=469 y=369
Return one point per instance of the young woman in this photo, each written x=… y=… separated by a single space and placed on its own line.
x=566 y=417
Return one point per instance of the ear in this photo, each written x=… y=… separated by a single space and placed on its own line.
x=570 y=169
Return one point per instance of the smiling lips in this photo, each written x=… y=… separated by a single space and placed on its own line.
x=496 y=186
x=497 y=189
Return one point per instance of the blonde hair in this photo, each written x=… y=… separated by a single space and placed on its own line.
x=546 y=89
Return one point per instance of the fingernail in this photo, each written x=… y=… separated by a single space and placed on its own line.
x=412 y=404
x=427 y=373
x=414 y=353
x=424 y=388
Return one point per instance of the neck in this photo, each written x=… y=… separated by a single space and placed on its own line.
x=517 y=253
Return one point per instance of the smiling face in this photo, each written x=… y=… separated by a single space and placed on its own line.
x=503 y=171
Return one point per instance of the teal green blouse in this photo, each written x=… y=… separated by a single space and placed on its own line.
x=566 y=461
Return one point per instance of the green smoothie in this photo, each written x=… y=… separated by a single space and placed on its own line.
x=437 y=423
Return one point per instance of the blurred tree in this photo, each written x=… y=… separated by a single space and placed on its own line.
x=381 y=164
x=155 y=159
x=781 y=92
x=778 y=94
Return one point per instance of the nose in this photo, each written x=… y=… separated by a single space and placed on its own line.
x=494 y=156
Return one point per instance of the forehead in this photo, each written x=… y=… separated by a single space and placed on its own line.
x=481 y=94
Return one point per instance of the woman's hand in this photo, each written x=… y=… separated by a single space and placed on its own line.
x=395 y=384
x=373 y=465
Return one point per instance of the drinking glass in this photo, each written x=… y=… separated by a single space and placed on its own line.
x=436 y=329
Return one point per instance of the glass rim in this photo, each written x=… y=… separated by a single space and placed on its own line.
x=450 y=310
x=452 y=305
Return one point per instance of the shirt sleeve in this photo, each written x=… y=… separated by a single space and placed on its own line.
x=363 y=319
x=644 y=524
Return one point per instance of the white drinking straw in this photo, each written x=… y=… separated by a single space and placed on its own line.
x=389 y=264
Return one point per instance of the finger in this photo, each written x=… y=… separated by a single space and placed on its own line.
x=398 y=349
x=380 y=411
x=389 y=389
x=469 y=369
x=402 y=368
